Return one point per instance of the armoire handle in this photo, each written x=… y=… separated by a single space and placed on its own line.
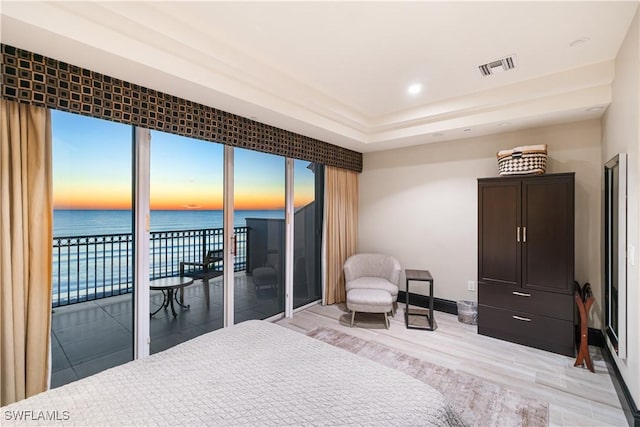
x=520 y=294
x=524 y=234
x=518 y=234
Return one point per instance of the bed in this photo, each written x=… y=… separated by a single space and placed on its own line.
x=254 y=373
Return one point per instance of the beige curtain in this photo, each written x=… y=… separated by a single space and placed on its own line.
x=25 y=249
x=341 y=229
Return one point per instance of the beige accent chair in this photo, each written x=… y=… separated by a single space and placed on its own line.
x=372 y=271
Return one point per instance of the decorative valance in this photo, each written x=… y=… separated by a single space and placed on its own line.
x=35 y=79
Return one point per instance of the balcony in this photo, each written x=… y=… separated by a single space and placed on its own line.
x=92 y=318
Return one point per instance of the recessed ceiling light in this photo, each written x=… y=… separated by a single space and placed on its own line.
x=594 y=109
x=467 y=130
x=503 y=124
x=579 y=42
x=415 y=89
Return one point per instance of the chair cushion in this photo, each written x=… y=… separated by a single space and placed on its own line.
x=369 y=300
x=265 y=276
x=373 y=283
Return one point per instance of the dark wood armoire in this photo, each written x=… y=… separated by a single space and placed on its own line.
x=526 y=260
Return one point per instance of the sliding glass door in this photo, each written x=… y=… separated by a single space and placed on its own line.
x=308 y=179
x=94 y=247
x=186 y=239
x=92 y=292
x=259 y=203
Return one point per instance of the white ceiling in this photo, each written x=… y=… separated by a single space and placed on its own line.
x=339 y=71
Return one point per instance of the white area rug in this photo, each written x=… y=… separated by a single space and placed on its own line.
x=480 y=402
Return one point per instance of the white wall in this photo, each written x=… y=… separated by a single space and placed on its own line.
x=420 y=203
x=621 y=133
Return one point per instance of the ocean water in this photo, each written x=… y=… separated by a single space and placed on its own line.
x=96 y=222
x=90 y=264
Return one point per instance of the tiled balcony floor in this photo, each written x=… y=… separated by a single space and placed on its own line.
x=89 y=337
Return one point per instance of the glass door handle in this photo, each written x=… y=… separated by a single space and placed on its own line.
x=233 y=245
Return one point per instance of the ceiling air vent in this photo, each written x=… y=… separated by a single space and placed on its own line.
x=498 y=66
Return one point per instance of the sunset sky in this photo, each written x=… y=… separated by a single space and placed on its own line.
x=92 y=170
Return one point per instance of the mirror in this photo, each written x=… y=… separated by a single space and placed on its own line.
x=615 y=245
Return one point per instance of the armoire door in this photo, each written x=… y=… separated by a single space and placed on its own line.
x=499 y=252
x=548 y=234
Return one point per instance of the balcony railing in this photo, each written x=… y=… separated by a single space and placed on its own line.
x=91 y=267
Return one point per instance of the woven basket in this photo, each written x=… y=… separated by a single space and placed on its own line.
x=526 y=160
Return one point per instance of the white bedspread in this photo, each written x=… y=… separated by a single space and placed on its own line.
x=255 y=373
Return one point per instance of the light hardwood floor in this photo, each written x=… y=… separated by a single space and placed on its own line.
x=576 y=396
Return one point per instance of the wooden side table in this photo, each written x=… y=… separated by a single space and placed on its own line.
x=421 y=276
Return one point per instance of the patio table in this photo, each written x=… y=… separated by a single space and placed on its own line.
x=169 y=286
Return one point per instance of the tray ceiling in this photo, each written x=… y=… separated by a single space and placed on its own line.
x=339 y=71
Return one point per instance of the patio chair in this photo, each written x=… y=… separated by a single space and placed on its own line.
x=205 y=270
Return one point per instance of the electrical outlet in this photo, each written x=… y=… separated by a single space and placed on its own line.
x=471 y=285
